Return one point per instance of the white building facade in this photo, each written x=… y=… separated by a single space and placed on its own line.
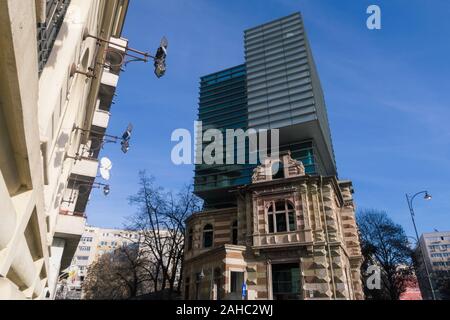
x=93 y=243
x=56 y=90
x=436 y=249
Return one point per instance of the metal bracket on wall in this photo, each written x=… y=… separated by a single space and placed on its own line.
x=74 y=70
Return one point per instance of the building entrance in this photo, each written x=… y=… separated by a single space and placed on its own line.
x=286 y=281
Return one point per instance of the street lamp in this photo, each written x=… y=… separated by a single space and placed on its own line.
x=124 y=140
x=410 y=199
x=86 y=187
x=159 y=58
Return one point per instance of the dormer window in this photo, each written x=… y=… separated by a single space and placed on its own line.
x=278 y=170
x=281 y=217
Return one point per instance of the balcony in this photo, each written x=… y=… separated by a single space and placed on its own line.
x=279 y=239
x=115 y=57
x=69 y=227
x=101 y=119
x=69 y=200
x=108 y=85
x=115 y=54
x=85 y=168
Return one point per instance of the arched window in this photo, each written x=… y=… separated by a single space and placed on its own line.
x=234 y=233
x=208 y=236
x=190 y=239
x=277 y=170
x=281 y=217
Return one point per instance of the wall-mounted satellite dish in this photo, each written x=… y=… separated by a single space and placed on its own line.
x=105 y=168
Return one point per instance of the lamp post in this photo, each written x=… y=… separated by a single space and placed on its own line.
x=124 y=139
x=159 y=58
x=87 y=185
x=410 y=199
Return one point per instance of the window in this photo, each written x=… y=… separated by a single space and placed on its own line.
x=82 y=258
x=234 y=233
x=286 y=281
x=281 y=217
x=439 y=264
x=237 y=281
x=190 y=239
x=208 y=236
x=85 y=248
x=277 y=170
x=48 y=30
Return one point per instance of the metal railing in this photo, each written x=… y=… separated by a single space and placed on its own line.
x=55 y=11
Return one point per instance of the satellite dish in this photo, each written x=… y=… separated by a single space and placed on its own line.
x=106 y=163
x=106 y=174
x=105 y=168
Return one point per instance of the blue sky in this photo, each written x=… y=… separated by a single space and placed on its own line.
x=387 y=93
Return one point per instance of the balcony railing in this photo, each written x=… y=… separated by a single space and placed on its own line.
x=55 y=10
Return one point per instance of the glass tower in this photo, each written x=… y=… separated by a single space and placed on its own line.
x=222 y=106
x=277 y=88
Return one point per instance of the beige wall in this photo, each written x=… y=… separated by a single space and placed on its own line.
x=37 y=116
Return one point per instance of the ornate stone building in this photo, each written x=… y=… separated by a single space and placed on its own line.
x=290 y=236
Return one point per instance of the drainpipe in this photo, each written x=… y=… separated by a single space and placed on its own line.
x=328 y=239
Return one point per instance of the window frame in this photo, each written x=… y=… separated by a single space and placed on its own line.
x=287 y=216
x=280 y=174
x=204 y=231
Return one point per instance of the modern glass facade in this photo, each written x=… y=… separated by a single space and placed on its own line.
x=283 y=87
x=277 y=88
x=222 y=106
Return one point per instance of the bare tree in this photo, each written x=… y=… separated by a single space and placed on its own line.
x=160 y=221
x=385 y=244
x=117 y=275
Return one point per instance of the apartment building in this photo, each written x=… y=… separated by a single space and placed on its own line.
x=56 y=88
x=93 y=243
x=436 y=252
